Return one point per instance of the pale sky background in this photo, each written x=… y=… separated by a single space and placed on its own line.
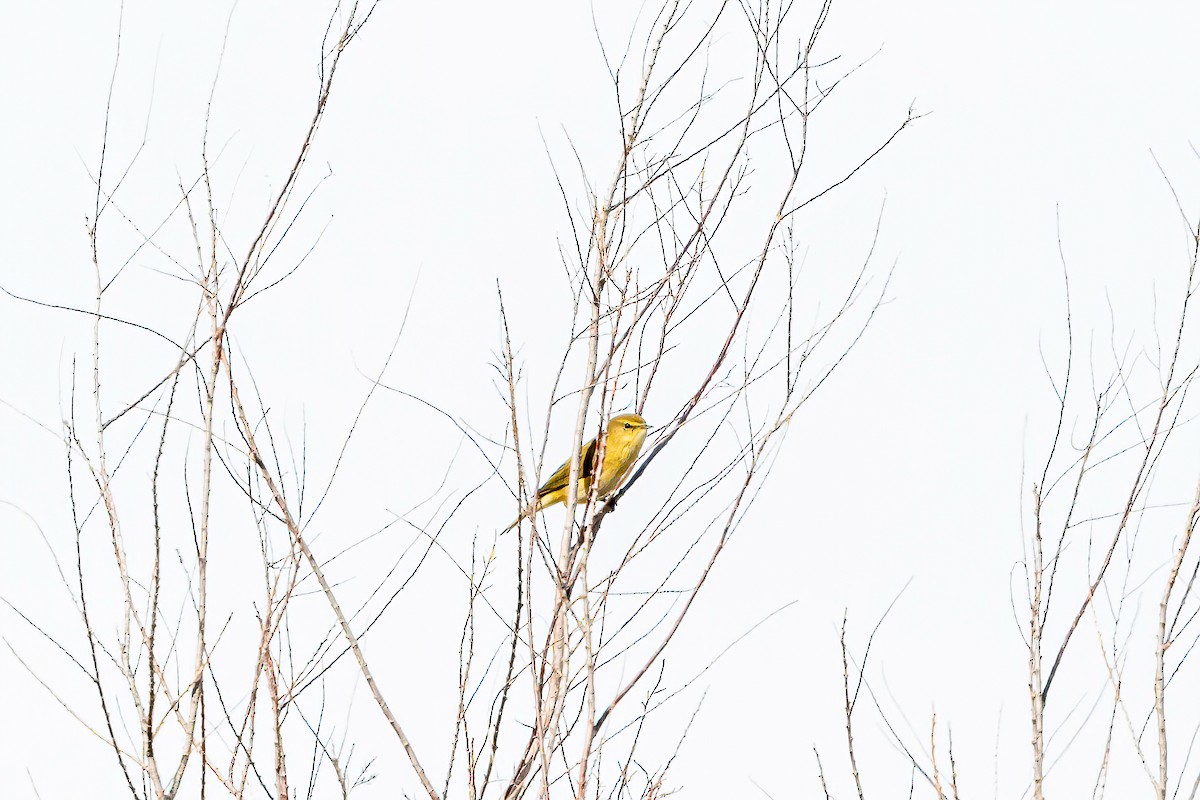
x=906 y=466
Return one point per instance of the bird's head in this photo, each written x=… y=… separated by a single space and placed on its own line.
x=627 y=427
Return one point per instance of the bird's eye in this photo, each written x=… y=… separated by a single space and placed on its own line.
x=627 y=425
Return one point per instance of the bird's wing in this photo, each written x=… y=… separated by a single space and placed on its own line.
x=558 y=480
x=587 y=468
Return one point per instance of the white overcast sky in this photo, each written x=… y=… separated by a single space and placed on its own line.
x=1042 y=119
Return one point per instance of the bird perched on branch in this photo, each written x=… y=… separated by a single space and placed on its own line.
x=622 y=443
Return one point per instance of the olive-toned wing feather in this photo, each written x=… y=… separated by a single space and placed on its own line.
x=558 y=480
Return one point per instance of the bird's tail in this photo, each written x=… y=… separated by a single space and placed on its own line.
x=538 y=504
x=528 y=512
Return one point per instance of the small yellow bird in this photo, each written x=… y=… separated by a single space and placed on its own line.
x=622 y=443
